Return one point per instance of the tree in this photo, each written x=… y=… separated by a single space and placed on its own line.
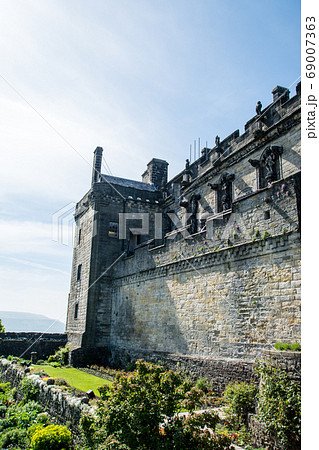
x=2 y=329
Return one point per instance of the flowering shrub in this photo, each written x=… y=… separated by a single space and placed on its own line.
x=139 y=409
x=52 y=437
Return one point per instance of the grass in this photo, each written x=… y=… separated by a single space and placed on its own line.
x=74 y=377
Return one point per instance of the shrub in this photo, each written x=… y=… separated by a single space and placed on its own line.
x=59 y=381
x=50 y=381
x=61 y=356
x=25 y=415
x=279 y=405
x=204 y=385
x=52 y=437
x=28 y=389
x=135 y=406
x=13 y=437
x=40 y=362
x=240 y=400
x=2 y=329
x=283 y=346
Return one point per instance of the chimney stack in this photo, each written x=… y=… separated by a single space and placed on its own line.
x=97 y=164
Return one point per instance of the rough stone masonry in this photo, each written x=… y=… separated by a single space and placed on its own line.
x=202 y=270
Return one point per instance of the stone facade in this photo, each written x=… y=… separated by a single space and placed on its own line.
x=205 y=266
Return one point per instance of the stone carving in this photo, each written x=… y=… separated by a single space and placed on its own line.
x=191 y=207
x=258 y=108
x=217 y=141
x=270 y=165
x=226 y=191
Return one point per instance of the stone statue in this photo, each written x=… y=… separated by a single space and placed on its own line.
x=217 y=141
x=226 y=191
x=193 y=210
x=270 y=167
x=187 y=165
x=258 y=108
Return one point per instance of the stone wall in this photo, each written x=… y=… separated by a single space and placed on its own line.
x=228 y=303
x=62 y=406
x=22 y=344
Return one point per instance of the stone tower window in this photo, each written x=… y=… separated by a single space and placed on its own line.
x=113 y=229
x=76 y=311
x=78 y=276
x=79 y=236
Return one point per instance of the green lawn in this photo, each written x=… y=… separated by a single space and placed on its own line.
x=74 y=377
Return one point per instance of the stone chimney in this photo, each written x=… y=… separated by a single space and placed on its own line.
x=97 y=164
x=156 y=173
x=282 y=92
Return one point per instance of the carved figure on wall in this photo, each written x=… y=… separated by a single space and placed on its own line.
x=217 y=141
x=187 y=165
x=191 y=207
x=193 y=210
x=226 y=191
x=258 y=108
x=270 y=167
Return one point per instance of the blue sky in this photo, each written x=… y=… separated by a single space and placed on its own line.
x=142 y=79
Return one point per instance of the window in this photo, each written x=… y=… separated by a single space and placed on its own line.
x=76 y=311
x=78 y=277
x=79 y=236
x=113 y=229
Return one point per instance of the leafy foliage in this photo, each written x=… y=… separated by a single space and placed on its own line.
x=52 y=437
x=28 y=389
x=2 y=329
x=138 y=411
x=14 y=437
x=279 y=405
x=61 y=356
x=296 y=347
x=240 y=399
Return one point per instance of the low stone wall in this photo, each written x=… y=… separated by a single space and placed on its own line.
x=219 y=370
x=22 y=344
x=64 y=407
x=288 y=361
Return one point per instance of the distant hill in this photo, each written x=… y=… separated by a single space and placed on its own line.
x=20 y=321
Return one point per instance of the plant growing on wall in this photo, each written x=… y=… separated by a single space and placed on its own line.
x=279 y=406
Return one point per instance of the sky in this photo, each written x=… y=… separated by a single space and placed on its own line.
x=140 y=78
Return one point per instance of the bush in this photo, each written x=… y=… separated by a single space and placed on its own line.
x=240 y=399
x=281 y=346
x=28 y=389
x=279 y=406
x=204 y=385
x=59 y=381
x=61 y=356
x=25 y=415
x=50 y=381
x=138 y=411
x=52 y=437
x=14 y=437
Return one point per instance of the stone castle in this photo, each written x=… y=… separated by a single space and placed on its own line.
x=202 y=270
